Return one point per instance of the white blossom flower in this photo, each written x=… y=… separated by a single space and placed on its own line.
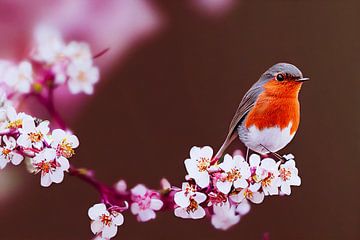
x=224 y=216
x=268 y=173
x=82 y=77
x=7 y=153
x=145 y=203
x=51 y=168
x=288 y=175
x=64 y=143
x=32 y=135
x=188 y=201
x=14 y=119
x=251 y=193
x=198 y=164
x=20 y=77
x=49 y=44
x=78 y=52
x=104 y=222
x=237 y=172
x=243 y=207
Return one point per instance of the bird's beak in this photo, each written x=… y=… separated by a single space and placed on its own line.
x=302 y=79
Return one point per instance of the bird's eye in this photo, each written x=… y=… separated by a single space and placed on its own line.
x=280 y=77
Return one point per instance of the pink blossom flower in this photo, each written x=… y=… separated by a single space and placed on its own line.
x=145 y=203
x=64 y=143
x=188 y=201
x=104 y=222
x=288 y=176
x=31 y=135
x=8 y=153
x=268 y=173
x=51 y=168
x=198 y=164
x=236 y=173
x=20 y=77
x=224 y=216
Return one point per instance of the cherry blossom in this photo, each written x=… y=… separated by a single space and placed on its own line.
x=243 y=207
x=224 y=216
x=198 y=164
x=188 y=201
x=251 y=193
x=104 y=222
x=288 y=176
x=78 y=52
x=20 y=77
x=49 y=45
x=236 y=171
x=14 y=120
x=82 y=77
x=64 y=143
x=268 y=172
x=145 y=203
x=8 y=153
x=32 y=135
x=51 y=168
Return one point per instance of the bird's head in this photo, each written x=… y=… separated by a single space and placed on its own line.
x=283 y=79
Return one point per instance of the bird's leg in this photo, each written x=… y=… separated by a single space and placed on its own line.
x=278 y=156
x=247 y=154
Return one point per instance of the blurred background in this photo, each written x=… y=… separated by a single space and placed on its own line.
x=173 y=78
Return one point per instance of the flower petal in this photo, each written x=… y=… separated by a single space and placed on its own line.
x=156 y=204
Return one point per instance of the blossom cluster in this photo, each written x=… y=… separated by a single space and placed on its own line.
x=225 y=188
x=51 y=62
x=24 y=137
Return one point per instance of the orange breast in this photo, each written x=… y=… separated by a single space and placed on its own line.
x=277 y=105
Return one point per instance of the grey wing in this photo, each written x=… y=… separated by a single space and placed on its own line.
x=245 y=106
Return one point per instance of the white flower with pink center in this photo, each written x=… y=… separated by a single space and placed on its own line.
x=236 y=173
x=64 y=143
x=8 y=153
x=78 y=52
x=51 y=168
x=250 y=193
x=82 y=77
x=145 y=203
x=224 y=216
x=288 y=176
x=104 y=222
x=20 y=77
x=198 y=165
x=32 y=135
x=189 y=201
x=268 y=173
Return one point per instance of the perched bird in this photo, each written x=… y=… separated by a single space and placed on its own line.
x=269 y=113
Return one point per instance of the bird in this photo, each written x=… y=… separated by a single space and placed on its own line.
x=269 y=113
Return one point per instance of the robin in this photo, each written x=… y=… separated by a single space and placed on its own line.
x=269 y=113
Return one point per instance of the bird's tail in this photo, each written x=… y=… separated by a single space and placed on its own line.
x=229 y=139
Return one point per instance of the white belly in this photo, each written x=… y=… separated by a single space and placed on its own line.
x=259 y=141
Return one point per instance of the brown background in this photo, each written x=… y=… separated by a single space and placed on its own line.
x=181 y=89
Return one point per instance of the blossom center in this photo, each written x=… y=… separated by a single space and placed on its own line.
x=105 y=219
x=35 y=137
x=82 y=76
x=193 y=206
x=6 y=151
x=15 y=124
x=248 y=194
x=285 y=174
x=46 y=167
x=203 y=164
x=268 y=180
x=233 y=175
x=65 y=149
